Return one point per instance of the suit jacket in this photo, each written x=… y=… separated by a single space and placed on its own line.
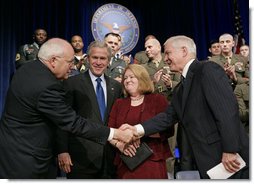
x=209 y=115
x=86 y=155
x=35 y=106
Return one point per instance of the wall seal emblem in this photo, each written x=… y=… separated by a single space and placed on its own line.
x=118 y=19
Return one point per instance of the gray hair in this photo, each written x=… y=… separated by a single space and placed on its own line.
x=51 y=48
x=183 y=41
x=99 y=44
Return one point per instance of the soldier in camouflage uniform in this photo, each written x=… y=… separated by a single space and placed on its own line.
x=242 y=94
x=80 y=58
x=232 y=63
x=164 y=79
x=28 y=52
x=116 y=66
x=141 y=57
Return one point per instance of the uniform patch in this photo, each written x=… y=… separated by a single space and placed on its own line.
x=17 y=56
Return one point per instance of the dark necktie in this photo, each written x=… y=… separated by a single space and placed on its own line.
x=182 y=79
x=100 y=97
x=180 y=90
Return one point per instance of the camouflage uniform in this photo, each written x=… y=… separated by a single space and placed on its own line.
x=26 y=53
x=240 y=66
x=242 y=94
x=116 y=69
x=160 y=87
x=141 y=57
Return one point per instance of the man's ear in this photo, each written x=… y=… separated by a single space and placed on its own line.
x=185 y=51
x=233 y=42
x=52 y=62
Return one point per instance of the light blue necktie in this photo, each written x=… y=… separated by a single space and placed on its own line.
x=100 y=97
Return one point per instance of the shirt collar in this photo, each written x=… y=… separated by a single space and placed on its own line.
x=186 y=68
x=93 y=77
x=36 y=45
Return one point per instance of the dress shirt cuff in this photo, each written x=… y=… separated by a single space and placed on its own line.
x=140 y=130
x=111 y=134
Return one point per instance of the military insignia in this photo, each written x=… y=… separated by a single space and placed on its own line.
x=239 y=66
x=29 y=50
x=118 y=19
x=120 y=69
x=17 y=56
x=160 y=89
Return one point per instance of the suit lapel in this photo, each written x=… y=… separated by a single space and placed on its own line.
x=187 y=85
x=110 y=95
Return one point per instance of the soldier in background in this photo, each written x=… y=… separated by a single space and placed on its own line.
x=28 y=52
x=141 y=57
x=164 y=80
x=242 y=94
x=234 y=65
x=80 y=61
x=214 y=48
x=116 y=65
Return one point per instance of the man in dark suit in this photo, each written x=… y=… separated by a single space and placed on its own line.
x=86 y=159
x=206 y=107
x=35 y=106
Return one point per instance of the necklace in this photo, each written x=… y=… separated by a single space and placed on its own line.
x=137 y=99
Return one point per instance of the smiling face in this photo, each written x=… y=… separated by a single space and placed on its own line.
x=131 y=83
x=174 y=57
x=98 y=60
x=62 y=66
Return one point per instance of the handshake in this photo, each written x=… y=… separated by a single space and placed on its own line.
x=126 y=139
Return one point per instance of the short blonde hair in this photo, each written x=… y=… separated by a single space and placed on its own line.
x=146 y=85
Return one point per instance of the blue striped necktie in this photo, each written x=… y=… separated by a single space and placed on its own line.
x=100 y=97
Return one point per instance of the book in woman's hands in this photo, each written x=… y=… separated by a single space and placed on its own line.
x=143 y=152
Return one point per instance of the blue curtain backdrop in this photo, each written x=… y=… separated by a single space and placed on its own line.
x=203 y=20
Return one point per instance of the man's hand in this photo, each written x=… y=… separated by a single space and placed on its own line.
x=230 y=71
x=229 y=160
x=64 y=161
x=125 y=136
x=128 y=149
x=157 y=75
x=166 y=78
x=133 y=129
